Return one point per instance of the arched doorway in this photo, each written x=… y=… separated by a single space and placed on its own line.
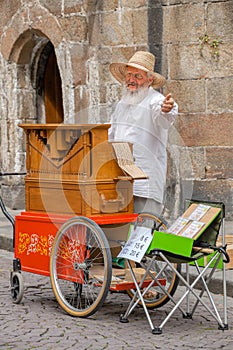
x=49 y=89
x=31 y=68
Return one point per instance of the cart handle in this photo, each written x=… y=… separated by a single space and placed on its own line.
x=7 y=215
x=7 y=174
x=5 y=212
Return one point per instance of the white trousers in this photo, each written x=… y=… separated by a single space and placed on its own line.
x=142 y=204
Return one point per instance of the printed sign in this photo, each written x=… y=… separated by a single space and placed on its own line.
x=192 y=229
x=199 y=212
x=178 y=225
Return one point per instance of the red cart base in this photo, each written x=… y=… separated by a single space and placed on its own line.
x=35 y=233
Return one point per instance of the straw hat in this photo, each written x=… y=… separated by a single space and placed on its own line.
x=142 y=60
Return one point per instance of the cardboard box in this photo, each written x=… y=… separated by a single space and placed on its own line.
x=229 y=242
x=229 y=266
x=228 y=239
x=139 y=273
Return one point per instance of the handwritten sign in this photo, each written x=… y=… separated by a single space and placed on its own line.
x=137 y=244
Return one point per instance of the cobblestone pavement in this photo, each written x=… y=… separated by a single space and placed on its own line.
x=38 y=322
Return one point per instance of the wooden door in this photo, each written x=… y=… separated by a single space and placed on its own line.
x=53 y=91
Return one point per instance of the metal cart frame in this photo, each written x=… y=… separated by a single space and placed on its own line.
x=75 y=253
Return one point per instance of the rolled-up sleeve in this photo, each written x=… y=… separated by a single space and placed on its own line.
x=165 y=120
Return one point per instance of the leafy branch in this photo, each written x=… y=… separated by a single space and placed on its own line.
x=213 y=45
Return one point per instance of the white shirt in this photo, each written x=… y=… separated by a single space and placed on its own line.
x=146 y=127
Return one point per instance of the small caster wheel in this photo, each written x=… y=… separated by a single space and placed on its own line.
x=17 y=287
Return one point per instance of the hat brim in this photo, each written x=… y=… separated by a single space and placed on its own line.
x=118 y=70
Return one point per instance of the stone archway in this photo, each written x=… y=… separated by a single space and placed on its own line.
x=23 y=44
x=37 y=53
x=26 y=102
x=35 y=58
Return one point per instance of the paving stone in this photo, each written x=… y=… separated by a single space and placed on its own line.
x=39 y=322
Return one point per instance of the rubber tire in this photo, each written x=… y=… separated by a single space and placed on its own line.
x=17 y=286
x=90 y=294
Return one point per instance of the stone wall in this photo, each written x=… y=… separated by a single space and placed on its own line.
x=200 y=75
x=89 y=34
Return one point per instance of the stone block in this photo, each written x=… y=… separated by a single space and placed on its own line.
x=93 y=6
x=104 y=73
x=82 y=101
x=134 y=3
x=8 y=10
x=22 y=77
x=78 y=56
x=13 y=196
x=179 y=2
x=94 y=30
x=46 y=23
x=113 y=93
x=24 y=105
x=219 y=95
x=219 y=162
x=189 y=94
x=52 y=6
x=140 y=27
x=103 y=55
x=206 y=130
x=74 y=30
x=73 y=6
x=117 y=28
x=219 y=11
x=189 y=162
x=183 y=23
x=217 y=66
x=122 y=54
x=8 y=41
x=188 y=63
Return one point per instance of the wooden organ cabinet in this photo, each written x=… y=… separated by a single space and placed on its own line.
x=72 y=169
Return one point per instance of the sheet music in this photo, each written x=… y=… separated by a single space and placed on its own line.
x=125 y=160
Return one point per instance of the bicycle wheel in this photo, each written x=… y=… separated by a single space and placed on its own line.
x=156 y=297
x=80 y=267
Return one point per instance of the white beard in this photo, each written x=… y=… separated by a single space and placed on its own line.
x=134 y=97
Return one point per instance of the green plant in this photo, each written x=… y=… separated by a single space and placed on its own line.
x=213 y=45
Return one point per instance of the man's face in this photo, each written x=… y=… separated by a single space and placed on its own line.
x=136 y=78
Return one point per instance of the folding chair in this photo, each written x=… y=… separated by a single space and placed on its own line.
x=191 y=240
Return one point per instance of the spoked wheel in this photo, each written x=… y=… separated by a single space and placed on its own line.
x=156 y=297
x=17 y=287
x=80 y=267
